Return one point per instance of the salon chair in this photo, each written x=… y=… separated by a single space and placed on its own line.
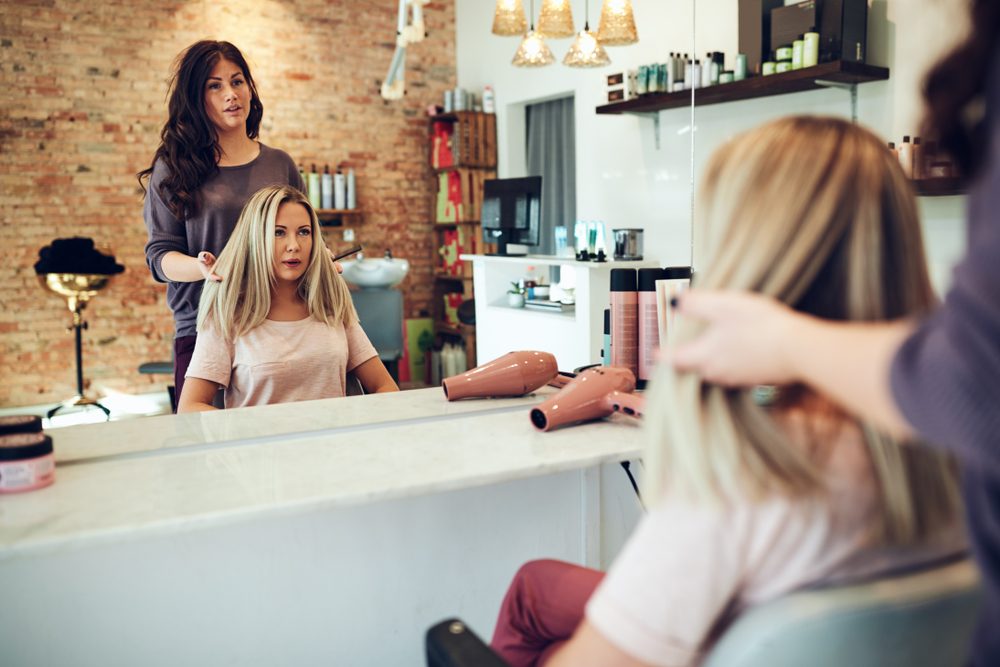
x=381 y=314
x=923 y=619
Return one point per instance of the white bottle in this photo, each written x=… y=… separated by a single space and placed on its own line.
x=315 y=198
x=326 y=187
x=906 y=157
x=339 y=190
x=688 y=73
x=706 y=72
x=696 y=75
x=352 y=195
x=489 y=101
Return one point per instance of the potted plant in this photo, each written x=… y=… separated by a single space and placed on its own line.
x=515 y=296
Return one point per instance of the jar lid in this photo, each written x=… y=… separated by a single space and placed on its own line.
x=23 y=446
x=20 y=424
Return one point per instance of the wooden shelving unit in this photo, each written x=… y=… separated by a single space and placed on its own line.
x=462 y=147
x=837 y=73
x=938 y=187
x=338 y=217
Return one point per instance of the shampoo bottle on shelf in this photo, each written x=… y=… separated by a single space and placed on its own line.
x=906 y=157
x=326 y=187
x=649 y=327
x=314 y=189
x=625 y=320
x=339 y=190
x=352 y=195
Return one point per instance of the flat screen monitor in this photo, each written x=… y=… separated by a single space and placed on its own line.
x=511 y=211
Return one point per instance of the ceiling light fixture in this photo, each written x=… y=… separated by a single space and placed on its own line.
x=533 y=52
x=556 y=19
x=586 y=51
x=508 y=18
x=617 y=24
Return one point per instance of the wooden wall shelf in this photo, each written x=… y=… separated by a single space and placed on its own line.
x=938 y=187
x=838 y=72
x=337 y=217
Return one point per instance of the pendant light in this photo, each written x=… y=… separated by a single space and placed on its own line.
x=586 y=50
x=533 y=52
x=617 y=24
x=508 y=19
x=556 y=19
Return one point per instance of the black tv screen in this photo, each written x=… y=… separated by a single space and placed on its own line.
x=511 y=211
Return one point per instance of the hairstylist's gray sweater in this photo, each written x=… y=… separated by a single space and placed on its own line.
x=946 y=378
x=221 y=199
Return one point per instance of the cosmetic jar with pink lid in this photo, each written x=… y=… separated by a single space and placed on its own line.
x=26 y=462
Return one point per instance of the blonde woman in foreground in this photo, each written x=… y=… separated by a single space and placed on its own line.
x=755 y=494
x=281 y=326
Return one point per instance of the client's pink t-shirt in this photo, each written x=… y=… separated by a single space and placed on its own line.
x=689 y=568
x=281 y=362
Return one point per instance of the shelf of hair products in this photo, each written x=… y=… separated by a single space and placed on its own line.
x=331 y=194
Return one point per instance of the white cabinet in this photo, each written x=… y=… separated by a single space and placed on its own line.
x=574 y=337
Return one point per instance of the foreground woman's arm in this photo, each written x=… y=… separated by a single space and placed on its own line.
x=751 y=339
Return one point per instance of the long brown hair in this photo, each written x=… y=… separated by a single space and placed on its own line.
x=815 y=213
x=189 y=146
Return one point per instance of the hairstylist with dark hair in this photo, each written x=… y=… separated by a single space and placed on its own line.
x=207 y=166
x=938 y=378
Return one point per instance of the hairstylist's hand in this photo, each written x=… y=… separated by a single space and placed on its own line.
x=206 y=261
x=746 y=341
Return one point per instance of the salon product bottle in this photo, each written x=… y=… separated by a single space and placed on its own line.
x=715 y=69
x=906 y=157
x=625 y=320
x=740 y=68
x=649 y=329
x=688 y=73
x=671 y=72
x=892 y=149
x=675 y=280
x=706 y=71
x=797 y=47
x=918 y=158
x=489 y=100
x=326 y=187
x=810 y=48
x=305 y=181
x=352 y=193
x=315 y=195
x=696 y=74
x=606 y=348
x=339 y=190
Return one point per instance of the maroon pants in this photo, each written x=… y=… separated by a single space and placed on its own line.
x=541 y=610
x=183 y=349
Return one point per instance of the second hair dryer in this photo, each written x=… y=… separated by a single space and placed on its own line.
x=513 y=374
x=593 y=394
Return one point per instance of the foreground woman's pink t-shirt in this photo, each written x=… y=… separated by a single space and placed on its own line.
x=281 y=362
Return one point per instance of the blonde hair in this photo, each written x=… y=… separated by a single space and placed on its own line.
x=815 y=213
x=243 y=299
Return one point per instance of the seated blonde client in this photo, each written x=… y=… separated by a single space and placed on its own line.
x=755 y=494
x=281 y=325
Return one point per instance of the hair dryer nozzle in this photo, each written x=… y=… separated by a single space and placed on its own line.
x=593 y=394
x=513 y=374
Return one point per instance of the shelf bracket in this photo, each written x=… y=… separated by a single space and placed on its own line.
x=655 y=115
x=852 y=87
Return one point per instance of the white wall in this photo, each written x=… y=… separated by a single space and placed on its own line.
x=624 y=180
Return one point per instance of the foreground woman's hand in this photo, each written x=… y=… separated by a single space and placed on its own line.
x=746 y=340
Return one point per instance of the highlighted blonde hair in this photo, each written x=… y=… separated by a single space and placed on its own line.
x=243 y=299
x=816 y=213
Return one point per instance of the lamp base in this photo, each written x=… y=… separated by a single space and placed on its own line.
x=78 y=401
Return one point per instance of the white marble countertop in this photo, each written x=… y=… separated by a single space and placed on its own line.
x=554 y=260
x=224 y=475
x=148 y=435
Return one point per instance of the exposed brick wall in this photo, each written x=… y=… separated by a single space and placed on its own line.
x=82 y=101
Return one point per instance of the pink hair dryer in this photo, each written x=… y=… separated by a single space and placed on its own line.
x=513 y=374
x=593 y=394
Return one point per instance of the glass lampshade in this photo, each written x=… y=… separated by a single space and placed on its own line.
x=617 y=24
x=509 y=19
x=556 y=19
x=533 y=52
x=586 y=51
